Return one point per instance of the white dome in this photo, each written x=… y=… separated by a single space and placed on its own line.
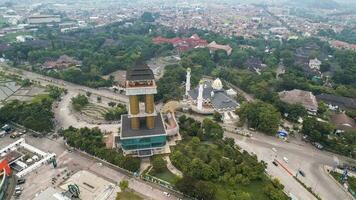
x=217 y=84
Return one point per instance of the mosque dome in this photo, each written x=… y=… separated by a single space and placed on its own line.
x=217 y=84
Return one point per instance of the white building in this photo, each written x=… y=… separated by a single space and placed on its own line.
x=314 y=64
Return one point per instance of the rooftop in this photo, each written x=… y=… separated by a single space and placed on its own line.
x=343 y=122
x=218 y=98
x=128 y=132
x=139 y=72
x=343 y=102
x=306 y=98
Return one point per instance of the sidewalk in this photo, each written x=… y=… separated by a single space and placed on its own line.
x=172 y=168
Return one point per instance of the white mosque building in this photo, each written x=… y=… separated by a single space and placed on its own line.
x=210 y=96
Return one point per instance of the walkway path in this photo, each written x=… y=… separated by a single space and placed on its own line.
x=172 y=168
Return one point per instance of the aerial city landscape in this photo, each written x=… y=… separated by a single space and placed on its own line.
x=173 y=100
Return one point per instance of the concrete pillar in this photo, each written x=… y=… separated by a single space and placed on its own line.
x=149 y=109
x=134 y=110
x=150 y=122
x=149 y=103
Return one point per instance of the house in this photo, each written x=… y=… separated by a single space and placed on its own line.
x=213 y=46
x=337 y=102
x=305 y=98
x=342 y=122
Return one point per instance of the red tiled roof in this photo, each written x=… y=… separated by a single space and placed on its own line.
x=182 y=44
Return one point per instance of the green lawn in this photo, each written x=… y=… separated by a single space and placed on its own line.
x=351 y=180
x=128 y=195
x=166 y=175
x=255 y=189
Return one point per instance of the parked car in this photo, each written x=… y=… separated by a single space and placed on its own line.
x=18 y=188
x=318 y=145
x=17 y=193
x=21 y=181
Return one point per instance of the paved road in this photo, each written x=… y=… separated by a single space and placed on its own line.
x=45 y=80
x=300 y=155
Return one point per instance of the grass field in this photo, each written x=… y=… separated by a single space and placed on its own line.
x=166 y=175
x=128 y=195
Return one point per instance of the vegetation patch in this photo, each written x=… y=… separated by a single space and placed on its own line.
x=323 y=132
x=79 y=102
x=159 y=170
x=91 y=141
x=350 y=180
x=115 y=113
x=36 y=115
x=215 y=168
x=128 y=195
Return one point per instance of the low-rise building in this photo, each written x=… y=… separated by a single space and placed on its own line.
x=213 y=46
x=337 y=102
x=304 y=98
x=62 y=62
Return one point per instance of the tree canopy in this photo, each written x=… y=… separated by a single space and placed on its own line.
x=262 y=116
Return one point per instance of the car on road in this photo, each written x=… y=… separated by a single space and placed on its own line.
x=285 y=159
x=275 y=163
x=301 y=173
x=274 y=149
x=21 y=181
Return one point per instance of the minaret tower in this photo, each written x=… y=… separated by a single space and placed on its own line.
x=187 y=83
x=200 y=96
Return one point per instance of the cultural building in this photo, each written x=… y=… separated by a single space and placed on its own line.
x=143 y=131
x=210 y=96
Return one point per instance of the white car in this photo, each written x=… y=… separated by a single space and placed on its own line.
x=18 y=188
x=285 y=159
x=167 y=194
x=274 y=149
